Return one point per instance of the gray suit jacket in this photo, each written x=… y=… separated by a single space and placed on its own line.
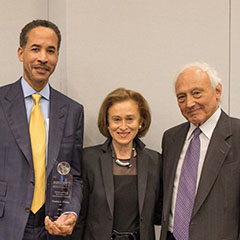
x=96 y=218
x=216 y=212
x=16 y=164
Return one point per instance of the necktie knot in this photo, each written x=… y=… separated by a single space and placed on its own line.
x=36 y=98
x=196 y=132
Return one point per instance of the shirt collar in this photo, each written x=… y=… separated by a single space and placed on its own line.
x=208 y=126
x=28 y=90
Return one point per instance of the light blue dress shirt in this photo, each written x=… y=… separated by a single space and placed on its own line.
x=44 y=104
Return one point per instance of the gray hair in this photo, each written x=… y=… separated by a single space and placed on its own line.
x=212 y=73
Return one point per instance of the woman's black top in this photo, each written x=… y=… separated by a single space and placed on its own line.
x=126 y=214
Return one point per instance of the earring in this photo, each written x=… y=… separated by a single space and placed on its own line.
x=140 y=126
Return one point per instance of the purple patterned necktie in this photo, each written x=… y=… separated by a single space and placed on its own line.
x=187 y=189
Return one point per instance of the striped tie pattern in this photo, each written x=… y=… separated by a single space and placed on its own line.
x=187 y=189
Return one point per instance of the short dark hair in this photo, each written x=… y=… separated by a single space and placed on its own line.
x=38 y=23
x=119 y=95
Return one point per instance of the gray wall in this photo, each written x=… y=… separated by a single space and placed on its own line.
x=140 y=45
x=136 y=44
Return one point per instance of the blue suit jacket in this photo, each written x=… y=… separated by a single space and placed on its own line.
x=16 y=164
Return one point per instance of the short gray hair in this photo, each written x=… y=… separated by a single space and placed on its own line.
x=212 y=73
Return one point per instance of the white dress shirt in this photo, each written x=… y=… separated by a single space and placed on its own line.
x=207 y=130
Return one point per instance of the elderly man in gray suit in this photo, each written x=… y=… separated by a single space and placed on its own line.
x=201 y=163
x=41 y=131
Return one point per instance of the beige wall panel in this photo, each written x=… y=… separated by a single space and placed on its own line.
x=140 y=44
x=234 y=99
x=14 y=15
x=57 y=14
x=135 y=44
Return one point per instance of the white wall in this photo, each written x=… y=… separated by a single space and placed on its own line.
x=136 y=44
x=140 y=44
x=234 y=78
x=13 y=16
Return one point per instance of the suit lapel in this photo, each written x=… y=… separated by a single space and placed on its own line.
x=172 y=152
x=57 y=119
x=142 y=166
x=15 y=111
x=216 y=154
x=107 y=175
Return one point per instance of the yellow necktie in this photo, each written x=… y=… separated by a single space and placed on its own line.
x=38 y=143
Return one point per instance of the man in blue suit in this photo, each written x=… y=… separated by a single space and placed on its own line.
x=63 y=136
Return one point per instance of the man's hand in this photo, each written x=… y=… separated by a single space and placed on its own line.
x=62 y=226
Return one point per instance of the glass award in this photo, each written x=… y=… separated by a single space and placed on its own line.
x=61 y=189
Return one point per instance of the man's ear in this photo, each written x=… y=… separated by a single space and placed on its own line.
x=20 y=54
x=218 y=91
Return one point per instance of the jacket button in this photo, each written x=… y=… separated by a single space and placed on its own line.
x=27 y=210
x=141 y=219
